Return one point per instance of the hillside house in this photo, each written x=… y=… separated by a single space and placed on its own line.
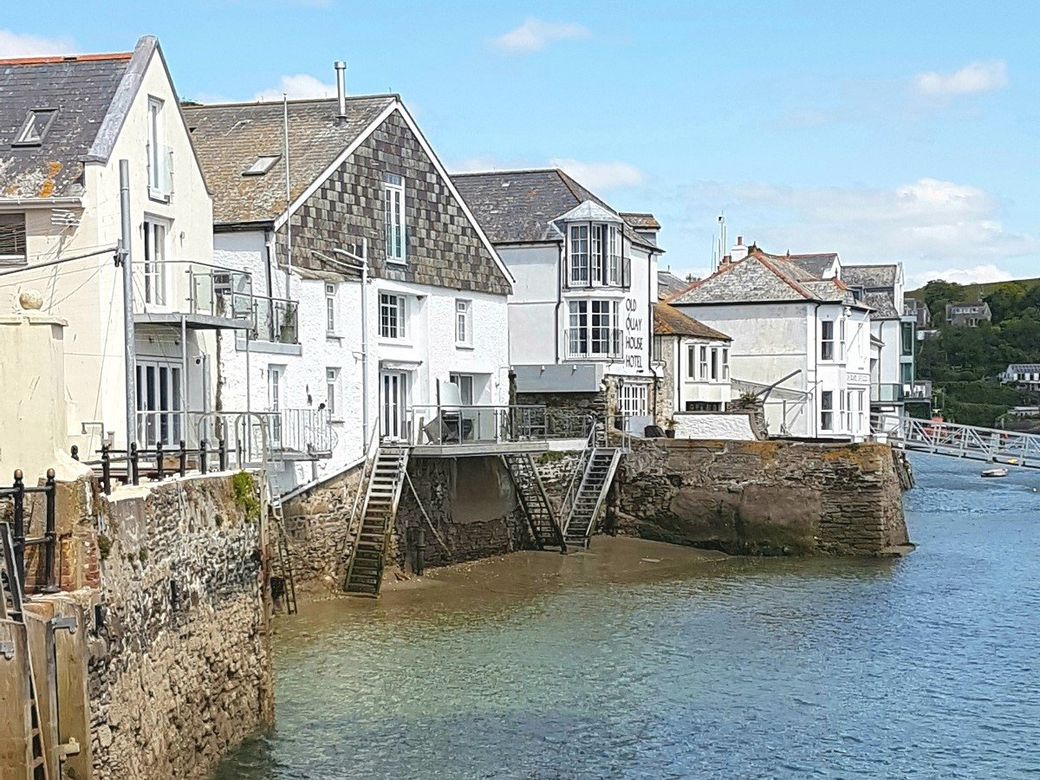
x=968 y=315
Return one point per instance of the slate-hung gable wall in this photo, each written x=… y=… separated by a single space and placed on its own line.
x=442 y=250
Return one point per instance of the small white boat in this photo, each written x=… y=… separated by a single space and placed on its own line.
x=999 y=472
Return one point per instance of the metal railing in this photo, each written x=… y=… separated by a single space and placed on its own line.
x=307 y=431
x=127 y=467
x=938 y=437
x=192 y=287
x=19 y=533
x=892 y=392
x=470 y=424
x=593 y=343
x=271 y=319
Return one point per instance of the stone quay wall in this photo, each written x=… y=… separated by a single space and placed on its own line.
x=180 y=653
x=316 y=524
x=762 y=497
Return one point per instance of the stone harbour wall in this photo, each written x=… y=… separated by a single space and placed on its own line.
x=472 y=508
x=316 y=528
x=180 y=655
x=762 y=497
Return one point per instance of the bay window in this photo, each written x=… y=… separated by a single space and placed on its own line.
x=827 y=340
x=594 y=256
x=593 y=329
x=827 y=410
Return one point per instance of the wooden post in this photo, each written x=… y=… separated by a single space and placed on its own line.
x=40 y=638
x=16 y=755
x=71 y=654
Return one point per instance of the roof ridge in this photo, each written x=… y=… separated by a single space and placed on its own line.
x=500 y=171
x=781 y=275
x=698 y=282
x=294 y=102
x=58 y=58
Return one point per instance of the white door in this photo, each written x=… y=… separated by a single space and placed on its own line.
x=393 y=403
x=158 y=403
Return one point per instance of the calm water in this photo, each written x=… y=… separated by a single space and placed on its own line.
x=922 y=667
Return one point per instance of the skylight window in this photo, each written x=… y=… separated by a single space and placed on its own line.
x=37 y=122
x=262 y=165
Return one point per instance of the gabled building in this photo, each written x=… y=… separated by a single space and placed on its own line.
x=1024 y=376
x=581 y=317
x=694 y=365
x=668 y=284
x=893 y=326
x=66 y=123
x=968 y=315
x=801 y=343
x=356 y=192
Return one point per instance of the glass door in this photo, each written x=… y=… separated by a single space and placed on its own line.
x=393 y=397
x=158 y=404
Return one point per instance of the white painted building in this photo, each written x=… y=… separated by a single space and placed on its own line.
x=65 y=125
x=364 y=184
x=1024 y=376
x=581 y=316
x=693 y=364
x=801 y=342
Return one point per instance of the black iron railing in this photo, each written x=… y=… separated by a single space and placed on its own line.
x=128 y=466
x=19 y=532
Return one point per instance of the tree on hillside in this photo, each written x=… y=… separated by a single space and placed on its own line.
x=936 y=294
x=1005 y=300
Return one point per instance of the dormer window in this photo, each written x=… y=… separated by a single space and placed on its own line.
x=37 y=123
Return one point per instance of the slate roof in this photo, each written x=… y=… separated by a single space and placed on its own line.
x=762 y=277
x=883 y=305
x=82 y=89
x=229 y=138
x=870 y=277
x=669 y=321
x=518 y=207
x=668 y=284
x=641 y=220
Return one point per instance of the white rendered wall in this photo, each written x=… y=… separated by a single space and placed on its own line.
x=706 y=425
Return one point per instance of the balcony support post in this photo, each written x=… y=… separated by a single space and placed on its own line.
x=129 y=335
x=184 y=378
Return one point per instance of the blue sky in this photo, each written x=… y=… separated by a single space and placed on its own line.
x=885 y=131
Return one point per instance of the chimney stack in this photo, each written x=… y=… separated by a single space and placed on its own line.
x=738 y=252
x=341 y=89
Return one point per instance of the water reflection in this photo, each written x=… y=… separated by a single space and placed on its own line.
x=546 y=668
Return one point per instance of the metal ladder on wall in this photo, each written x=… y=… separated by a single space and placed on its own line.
x=382 y=481
x=589 y=486
x=14 y=648
x=281 y=561
x=545 y=527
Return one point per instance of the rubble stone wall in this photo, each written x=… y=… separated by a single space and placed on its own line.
x=180 y=669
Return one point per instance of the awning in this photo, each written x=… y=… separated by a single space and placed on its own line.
x=400 y=365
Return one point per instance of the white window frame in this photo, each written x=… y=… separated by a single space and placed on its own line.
x=578 y=254
x=614 y=263
x=17 y=224
x=827 y=341
x=827 y=410
x=725 y=364
x=393 y=316
x=691 y=361
x=463 y=322
x=160 y=186
x=330 y=309
x=154 y=269
x=703 y=364
x=394 y=218
x=593 y=328
x=632 y=400
x=332 y=391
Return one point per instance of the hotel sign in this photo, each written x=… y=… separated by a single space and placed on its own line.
x=633 y=334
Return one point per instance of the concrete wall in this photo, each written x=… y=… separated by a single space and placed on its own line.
x=762 y=497
x=709 y=425
x=181 y=661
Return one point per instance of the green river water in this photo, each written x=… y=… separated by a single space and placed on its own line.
x=609 y=666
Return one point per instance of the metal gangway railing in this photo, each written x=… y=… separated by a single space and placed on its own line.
x=958 y=441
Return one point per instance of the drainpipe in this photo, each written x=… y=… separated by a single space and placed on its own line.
x=559 y=297
x=814 y=379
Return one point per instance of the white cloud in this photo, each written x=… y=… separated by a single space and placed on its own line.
x=15 y=45
x=298 y=87
x=972 y=275
x=534 y=35
x=932 y=226
x=601 y=176
x=972 y=79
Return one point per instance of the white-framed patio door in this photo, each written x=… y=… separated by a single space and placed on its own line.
x=393 y=405
x=159 y=416
x=274 y=404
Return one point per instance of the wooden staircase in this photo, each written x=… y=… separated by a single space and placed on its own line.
x=586 y=498
x=22 y=750
x=544 y=525
x=382 y=480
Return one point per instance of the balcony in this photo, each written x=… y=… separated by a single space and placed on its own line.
x=885 y=393
x=593 y=343
x=455 y=431
x=273 y=319
x=199 y=295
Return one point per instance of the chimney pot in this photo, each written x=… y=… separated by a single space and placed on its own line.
x=740 y=240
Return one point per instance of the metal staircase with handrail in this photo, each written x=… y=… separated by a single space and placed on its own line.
x=545 y=528
x=588 y=488
x=382 y=480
